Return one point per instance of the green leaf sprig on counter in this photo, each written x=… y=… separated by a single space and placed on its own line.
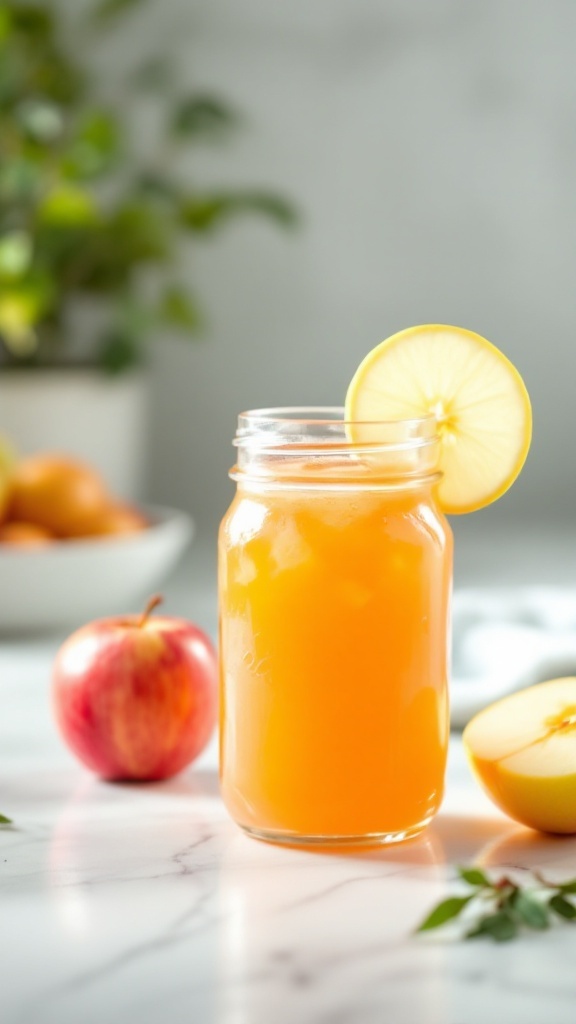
x=4 y=820
x=90 y=212
x=501 y=910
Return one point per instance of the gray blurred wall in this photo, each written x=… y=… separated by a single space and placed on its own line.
x=432 y=150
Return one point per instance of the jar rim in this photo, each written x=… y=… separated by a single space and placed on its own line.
x=314 y=447
x=326 y=426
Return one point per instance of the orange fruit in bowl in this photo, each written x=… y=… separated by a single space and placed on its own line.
x=25 y=534
x=116 y=520
x=57 y=493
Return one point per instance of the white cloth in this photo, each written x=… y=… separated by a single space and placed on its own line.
x=507 y=638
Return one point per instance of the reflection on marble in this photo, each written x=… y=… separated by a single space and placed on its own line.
x=131 y=903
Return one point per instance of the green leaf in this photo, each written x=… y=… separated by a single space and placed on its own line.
x=569 y=887
x=20 y=180
x=156 y=186
x=15 y=254
x=269 y=205
x=201 y=116
x=138 y=234
x=562 y=907
x=17 y=326
x=179 y=311
x=532 y=913
x=22 y=307
x=69 y=206
x=204 y=214
x=4 y=820
x=474 y=877
x=5 y=22
x=500 y=926
x=60 y=80
x=106 y=10
x=41 y=120
x=118 y=352
x=95 y=146
x=105 y=256
x=445 y=911
x=100 y=130
x=32 y=20
x=512 y=907
x=24 y=303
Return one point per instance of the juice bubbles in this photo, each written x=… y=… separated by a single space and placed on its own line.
x=335 y=569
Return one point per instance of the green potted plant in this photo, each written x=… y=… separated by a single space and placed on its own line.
x=91 y=232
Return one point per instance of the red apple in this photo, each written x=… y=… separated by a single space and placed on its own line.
x=135 y=697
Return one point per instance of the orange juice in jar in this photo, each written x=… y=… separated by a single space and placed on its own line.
x=335 y=573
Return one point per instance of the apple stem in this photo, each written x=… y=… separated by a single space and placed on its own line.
x=152 y=604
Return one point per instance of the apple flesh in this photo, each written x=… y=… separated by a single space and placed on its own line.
x=135 y=697
x=523 y=751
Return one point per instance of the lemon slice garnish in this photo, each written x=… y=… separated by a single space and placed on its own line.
x=477 y=396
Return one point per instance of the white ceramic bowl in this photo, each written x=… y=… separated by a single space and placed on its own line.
x=69 y=583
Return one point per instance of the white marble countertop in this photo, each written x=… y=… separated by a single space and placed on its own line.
x=124 y=903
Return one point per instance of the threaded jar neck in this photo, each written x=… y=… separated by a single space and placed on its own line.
x=315 y=447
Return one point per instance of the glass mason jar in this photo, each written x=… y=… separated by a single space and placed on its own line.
x=334 y=577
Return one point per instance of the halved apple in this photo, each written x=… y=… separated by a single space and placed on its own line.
x=523 y=750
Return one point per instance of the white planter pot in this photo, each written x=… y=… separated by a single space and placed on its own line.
x=81 y=413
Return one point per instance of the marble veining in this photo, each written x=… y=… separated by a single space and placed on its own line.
x=131 y=903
